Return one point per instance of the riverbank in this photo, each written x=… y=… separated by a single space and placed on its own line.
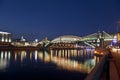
x=111 y=67
x=19 y=48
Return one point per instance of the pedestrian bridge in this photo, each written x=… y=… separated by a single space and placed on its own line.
x=95 y=36
x=91 y=37
x=89 y=40
x=71 y=40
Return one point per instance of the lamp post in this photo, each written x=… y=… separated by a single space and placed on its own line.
x=118 y=23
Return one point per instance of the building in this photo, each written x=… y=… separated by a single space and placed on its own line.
x=5 y=38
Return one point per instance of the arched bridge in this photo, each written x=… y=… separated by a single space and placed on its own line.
x=91 y=40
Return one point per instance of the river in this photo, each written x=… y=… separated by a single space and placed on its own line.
x=62 y=64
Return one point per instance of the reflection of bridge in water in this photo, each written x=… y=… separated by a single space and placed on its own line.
x=72 y=60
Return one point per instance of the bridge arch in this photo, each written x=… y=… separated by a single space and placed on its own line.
x=66 y=39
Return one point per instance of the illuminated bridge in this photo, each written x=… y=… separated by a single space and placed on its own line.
x=69 y=41
x=89 y=41
x=95 y=38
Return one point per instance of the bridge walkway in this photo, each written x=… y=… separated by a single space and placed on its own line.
x=107 y=69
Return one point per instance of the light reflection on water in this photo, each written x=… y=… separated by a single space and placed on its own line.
x=72 y=60
x=64 y=64
x=4 y=59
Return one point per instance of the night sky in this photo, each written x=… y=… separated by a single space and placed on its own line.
x=53 y=18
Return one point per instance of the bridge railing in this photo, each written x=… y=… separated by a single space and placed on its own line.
x=96 y=73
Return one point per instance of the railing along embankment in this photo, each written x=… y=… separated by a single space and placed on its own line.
x=96 y=73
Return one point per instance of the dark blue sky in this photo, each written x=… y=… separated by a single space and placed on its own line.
x=52 y=18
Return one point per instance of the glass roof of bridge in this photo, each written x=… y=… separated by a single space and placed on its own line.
x=66 y=39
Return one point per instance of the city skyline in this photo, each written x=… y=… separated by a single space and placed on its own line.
x=40 y=19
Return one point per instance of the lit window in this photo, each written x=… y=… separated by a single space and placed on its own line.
x=9 y=40
x=6 y=40
x=2 y=39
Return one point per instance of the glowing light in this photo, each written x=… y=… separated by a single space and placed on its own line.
x=15 y=57
x=95 y=52
x=36 y=40
x=98 y=40
x=40 y=56
x=101 y=53
x=5 y=55
x=1 y=54
x=6 y=40
x=59 y=54
x=116 y=50
x=3 y=64
x=36 y=52
x=30 y=56
x=9 y=55
x=9 y=40
x=115 y=39
x=23 y=55
x=2 y=39
x=111 y=44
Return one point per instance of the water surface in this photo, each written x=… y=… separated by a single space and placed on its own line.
x=63 y=64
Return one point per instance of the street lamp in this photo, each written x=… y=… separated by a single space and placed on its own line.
x=118 y=25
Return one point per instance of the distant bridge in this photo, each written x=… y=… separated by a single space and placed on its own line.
x=94 y=39
x=71 y=41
